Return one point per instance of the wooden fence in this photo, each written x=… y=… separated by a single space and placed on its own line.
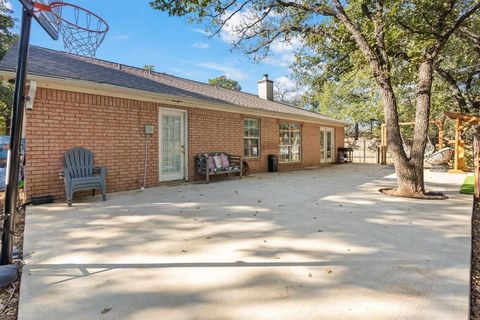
x=365 y=150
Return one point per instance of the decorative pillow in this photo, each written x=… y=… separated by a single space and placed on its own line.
x=211 y=163
x=201 y=161
x=224 y=161
x=218 y=162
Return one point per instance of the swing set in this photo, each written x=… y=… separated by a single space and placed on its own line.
x=462 y=121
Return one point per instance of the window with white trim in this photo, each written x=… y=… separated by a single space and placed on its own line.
x=290 y=142
x=251 y=138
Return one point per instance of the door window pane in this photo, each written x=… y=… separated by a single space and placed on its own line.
x=322 y=144
x=329 y=144
x=171 y=145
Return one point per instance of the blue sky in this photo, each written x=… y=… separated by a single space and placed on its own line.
x=140 y=35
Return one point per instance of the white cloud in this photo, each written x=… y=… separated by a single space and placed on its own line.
x=121 y=37
x=8 y=5
x=284 y=60
x=228 y=71
x=283 y=52
x=284 y=46
x=201 y=31
x=288 y=88
x=286 y=83
x=200 y=45
x=231 y=31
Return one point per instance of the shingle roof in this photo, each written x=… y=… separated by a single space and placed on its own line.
x=56 y=64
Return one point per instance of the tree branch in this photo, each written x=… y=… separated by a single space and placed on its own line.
x=228 y=18
x=443 y=39
x=441 y=20
x=322 y=10
x=470 y=36
x=379 y=68
x=379 y=25
x=457 y=93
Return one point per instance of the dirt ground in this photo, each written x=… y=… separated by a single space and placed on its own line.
x=9 y=295
x=475 y=290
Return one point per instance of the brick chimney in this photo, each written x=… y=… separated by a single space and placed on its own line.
x=265 y=88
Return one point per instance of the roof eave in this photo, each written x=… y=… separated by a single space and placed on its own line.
x=85 y=86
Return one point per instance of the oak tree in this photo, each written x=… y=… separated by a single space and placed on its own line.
x=224 y=82
x=385 y=35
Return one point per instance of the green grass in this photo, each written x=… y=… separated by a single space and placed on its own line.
x=467 y=186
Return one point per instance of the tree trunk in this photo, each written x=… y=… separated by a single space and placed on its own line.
x=409 y=170
x=406 y=175
x=422 y=121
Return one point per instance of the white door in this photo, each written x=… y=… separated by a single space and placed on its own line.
x=172 y=145
x=327 y=143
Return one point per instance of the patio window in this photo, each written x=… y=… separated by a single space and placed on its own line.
x=290 y=142
x=251 y=138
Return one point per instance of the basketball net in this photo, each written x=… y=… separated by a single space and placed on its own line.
x=82 y=30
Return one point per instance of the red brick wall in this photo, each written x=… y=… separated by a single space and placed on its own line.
x=213 y=131
x=339 y=137
x=113 y=128
x=269 y=140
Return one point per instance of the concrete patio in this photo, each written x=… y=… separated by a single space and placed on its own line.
x=310 y=244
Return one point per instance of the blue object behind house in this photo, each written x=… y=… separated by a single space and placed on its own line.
x=4 y=144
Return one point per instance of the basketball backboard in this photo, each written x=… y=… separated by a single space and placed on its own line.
x=47 y=20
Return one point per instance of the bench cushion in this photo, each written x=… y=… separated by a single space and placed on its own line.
x=224 y=161
x=211 y=163
x=218 y=163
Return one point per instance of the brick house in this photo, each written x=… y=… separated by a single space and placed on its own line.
x=104 y=106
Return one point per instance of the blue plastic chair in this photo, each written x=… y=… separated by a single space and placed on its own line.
x=79 y=173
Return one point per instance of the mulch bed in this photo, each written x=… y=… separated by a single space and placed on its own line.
x=475 y=276
x=429 y=195
x=9 y=295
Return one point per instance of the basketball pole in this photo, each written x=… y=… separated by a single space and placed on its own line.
x=13 y=160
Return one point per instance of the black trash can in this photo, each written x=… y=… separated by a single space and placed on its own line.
x=272 y=163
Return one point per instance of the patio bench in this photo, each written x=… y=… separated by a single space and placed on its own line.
x=211 y=164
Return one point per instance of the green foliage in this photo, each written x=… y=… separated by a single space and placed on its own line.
x=6 y=101
x=183 y=8
x=352 y=50
x=224 y=82
x=149 y=67
x=336 y=70
x=353 y=98
x=458 y=70
x=7 y=38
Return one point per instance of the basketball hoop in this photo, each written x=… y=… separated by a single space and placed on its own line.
x=82 y=30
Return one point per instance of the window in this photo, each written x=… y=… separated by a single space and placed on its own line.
x=290 y=142
x=251 y=138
